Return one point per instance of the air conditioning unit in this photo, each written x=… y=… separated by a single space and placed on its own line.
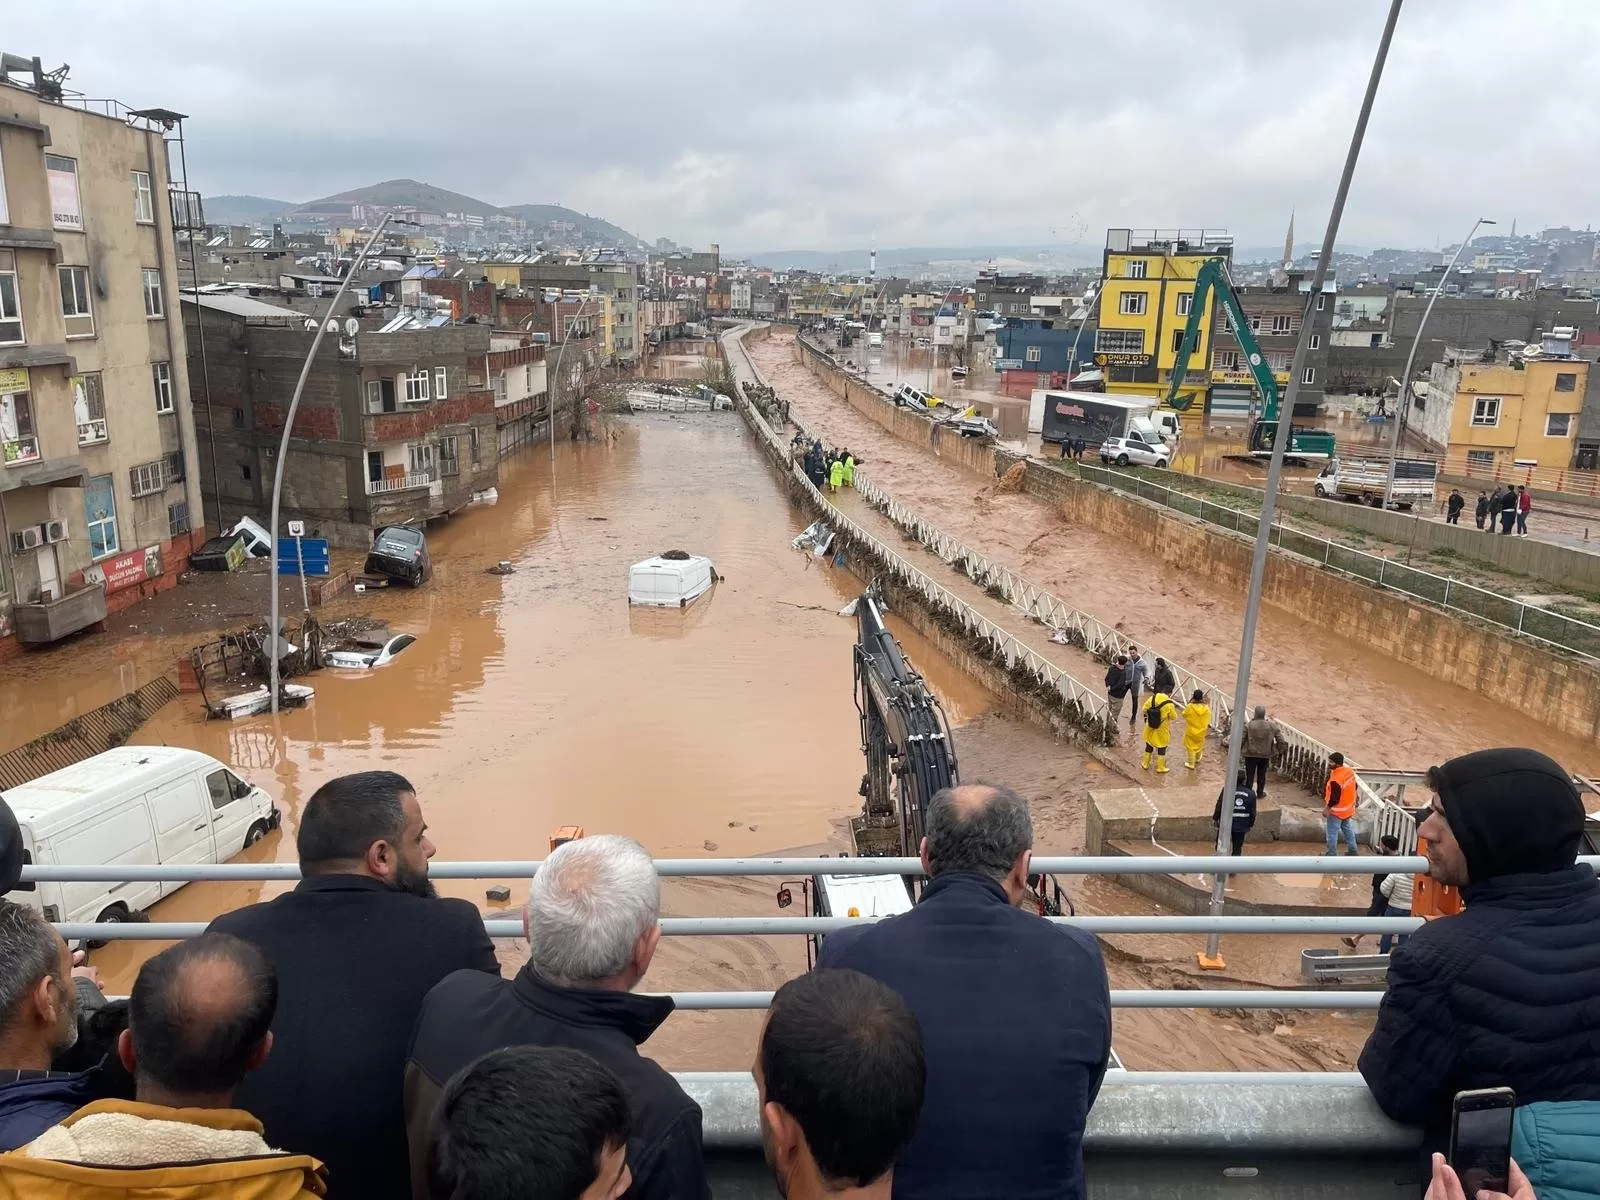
x=55 y=531
x=23 y=540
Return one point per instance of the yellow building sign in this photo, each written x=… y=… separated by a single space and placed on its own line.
x=13 y=380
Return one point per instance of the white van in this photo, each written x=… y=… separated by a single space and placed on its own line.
x=135 y=805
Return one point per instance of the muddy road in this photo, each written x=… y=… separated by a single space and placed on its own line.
x=1379 y=712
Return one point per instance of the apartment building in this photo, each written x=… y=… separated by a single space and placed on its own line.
x=1275 y=315
x=1495 y=409
x=99 y=499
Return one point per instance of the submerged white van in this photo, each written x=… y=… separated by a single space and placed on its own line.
x=135 y=805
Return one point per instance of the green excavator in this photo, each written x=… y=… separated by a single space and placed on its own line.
x=1305 y=444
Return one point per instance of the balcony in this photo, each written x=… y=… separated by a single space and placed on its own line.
x=19 y=450
x=399 y=483
x=92 y=433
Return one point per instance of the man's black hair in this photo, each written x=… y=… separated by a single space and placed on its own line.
x=842 y=1054
x=346 y=815
x=190 y=1034
x=1389 y=842
x=987 y=837
x=526 y=1121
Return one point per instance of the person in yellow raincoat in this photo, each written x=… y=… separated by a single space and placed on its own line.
x=836 y=474
x=1196 y=720
x=849 y=468
x=1159 y=711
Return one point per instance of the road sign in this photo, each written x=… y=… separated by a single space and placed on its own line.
x=297 y=529
x=303 y=556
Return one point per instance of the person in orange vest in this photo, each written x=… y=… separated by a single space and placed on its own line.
x=1339 y=804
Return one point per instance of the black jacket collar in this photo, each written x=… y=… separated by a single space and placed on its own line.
x=342 y=883
x=1533 y=889
x=635 y=1015
x=967 y=885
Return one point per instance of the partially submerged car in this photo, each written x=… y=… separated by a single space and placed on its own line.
x=365 y=657
x=400 y=554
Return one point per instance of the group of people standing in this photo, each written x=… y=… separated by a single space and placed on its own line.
x=1132 y=674
x=1073 y=447
x=834 y=468
x=1507 y=505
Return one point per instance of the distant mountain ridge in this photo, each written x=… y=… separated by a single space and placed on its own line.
x=242 y=210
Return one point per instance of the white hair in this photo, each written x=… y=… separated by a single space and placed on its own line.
x=591 y=902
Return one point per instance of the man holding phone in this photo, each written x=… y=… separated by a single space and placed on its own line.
x=1502 y=993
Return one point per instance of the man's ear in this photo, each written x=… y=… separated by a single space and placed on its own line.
x=787 y=1138
x=125 y=1052
x=259 y=1054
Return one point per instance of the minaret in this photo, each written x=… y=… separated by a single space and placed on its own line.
x=1288 y=243
x=872 y=262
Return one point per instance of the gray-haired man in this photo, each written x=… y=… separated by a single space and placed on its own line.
x=593 y=922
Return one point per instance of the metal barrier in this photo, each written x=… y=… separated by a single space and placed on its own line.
x=1525 y=620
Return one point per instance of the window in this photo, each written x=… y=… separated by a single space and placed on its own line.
x=1132 y=304
x=380 y=395
x=1225 y=360
x=75 y=311
x=1034 y=353
x=1316 y=341
x=1480 y=458
x=1309 y=375
x=161 y=376
x=144 y=206
x=18 y=444
x=417 y=387
x=420 y=458
x=1278 y=360
x=237 y=417
x=473 y=448
x=172 y=470
x=1558 y=425
x=1137 y=268
x=1177 y=340
x=1119 y=341
x=5 y=219
x=10 y=305
x=1184 y=300
x=153 y=304
x=1566 y=381
x=89 y=408
x=177 y=519
x=1322 y=302
x=1255 y=323
x=244 y=471
x=1486 y=410
x=440 y=378
x=1282 y=323
x=145 y=479
x=100 y=513
x=61 y=178
x=449 y=459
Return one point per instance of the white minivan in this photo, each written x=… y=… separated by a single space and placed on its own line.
x=135 y=805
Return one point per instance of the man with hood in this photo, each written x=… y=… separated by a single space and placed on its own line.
x=1503 y=993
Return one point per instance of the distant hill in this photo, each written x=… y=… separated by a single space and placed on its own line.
x=914 y=256
x=591 y=227
x=243 y=210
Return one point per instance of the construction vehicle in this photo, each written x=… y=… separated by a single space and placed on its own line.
x=1305 y=444
x=910 y=756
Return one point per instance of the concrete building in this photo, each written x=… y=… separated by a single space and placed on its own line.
x=1039 y=353
x=99 y=503
x=392 y=427
x=1144 y=305
x=1501 y=410
x=1008 y=295
x=1275 y=316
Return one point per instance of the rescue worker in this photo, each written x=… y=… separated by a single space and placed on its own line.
x=835 y=475
x=849 y=468
x=1158 y=713
x=1339 y=804
x=1196 y=721
x=1243 y=812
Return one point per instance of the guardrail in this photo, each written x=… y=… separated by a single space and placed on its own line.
x=1525 y=620
x=399 y=483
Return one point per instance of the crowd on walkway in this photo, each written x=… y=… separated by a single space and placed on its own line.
x=832 y=467
x=355 y=1038
x=1507 y=506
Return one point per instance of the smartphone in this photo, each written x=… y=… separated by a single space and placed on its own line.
x=1480 y=1138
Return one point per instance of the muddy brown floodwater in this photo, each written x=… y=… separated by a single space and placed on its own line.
x=541 y=699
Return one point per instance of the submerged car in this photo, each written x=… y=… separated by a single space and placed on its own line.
x=369 y=656
x=400 y=553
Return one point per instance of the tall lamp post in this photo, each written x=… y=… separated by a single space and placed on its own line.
x=1404 y=404
x=551 y=385
x=283 y=458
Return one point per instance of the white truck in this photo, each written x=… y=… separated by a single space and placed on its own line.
x=1096 y=416
x=1362 y=480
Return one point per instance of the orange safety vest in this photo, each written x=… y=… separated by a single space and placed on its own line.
x=1346 y=779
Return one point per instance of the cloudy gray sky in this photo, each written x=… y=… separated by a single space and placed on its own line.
x=824 y=124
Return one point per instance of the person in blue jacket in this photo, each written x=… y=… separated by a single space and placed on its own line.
x=1015 y=1011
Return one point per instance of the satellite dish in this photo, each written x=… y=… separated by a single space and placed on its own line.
x=352 y=327
x=311 y=325
x=333 y=325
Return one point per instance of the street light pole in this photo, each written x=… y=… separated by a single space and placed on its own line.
x=1091 y=306
x=550 y=385
x=1403 y=405
x=1212 y=959
x=283 y=458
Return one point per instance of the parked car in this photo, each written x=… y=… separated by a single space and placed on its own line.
x=132 y=806
x=977 y=427
x=369 y=656
x=1135 y=450
x=400 y=553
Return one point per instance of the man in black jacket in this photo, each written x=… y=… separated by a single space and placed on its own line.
x=593 y=921
x=1243 y=808
x=1503 y=993
x=1015 y=1011
x=356 y=947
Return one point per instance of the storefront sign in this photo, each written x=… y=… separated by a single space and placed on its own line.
x=1123 y=360
x=126 y=570
x=13 y=380
x=61 y=178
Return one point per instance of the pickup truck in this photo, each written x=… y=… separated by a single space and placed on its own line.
x=1362 y=480
x=1136 y=450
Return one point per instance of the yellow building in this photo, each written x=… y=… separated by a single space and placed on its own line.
x=1144 y=307
x=1515 y=412
x=502 y=275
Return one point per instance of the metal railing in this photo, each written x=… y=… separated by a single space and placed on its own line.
x=90 y=432
x=400 y=483
x=1525 y=620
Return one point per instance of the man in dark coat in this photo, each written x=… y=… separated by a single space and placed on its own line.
x=593 y=922
x=1242 y=807
x=356 y=947
x=1015 y=1011
x=1503 y=993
